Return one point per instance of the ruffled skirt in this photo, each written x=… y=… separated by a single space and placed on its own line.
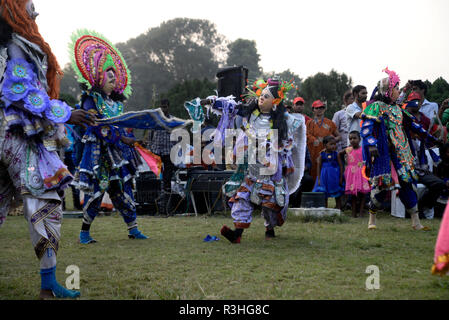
x=103 y=162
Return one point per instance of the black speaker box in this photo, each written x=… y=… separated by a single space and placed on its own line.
x=232 y=81
x=148 y=188
x=206 y=187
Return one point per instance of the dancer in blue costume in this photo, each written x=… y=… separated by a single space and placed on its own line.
x=387 y=151
x=31 y=131
x=107 y=160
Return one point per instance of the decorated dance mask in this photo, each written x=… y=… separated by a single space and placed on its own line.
x=98 y=64
x=31 y=10
x=388 y=84
x=270 y=92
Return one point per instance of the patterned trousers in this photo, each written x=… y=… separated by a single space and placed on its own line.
x=122 y=199
x=42 y=210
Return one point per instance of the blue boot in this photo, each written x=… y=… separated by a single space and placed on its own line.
x=136 y=234
x=48 y=282
x=85 y=238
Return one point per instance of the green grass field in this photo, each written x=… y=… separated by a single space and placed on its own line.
x=315 y=260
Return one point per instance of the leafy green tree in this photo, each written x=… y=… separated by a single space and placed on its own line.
x=428 y=84
x=243 y=52
x=69 y=84
x=69 y=99
x=178 y=50
x=438 y=91
x=187 y=91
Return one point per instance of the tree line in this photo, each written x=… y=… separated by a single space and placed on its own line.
x=179 y=60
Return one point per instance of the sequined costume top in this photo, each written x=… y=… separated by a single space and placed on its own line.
x=100 y=155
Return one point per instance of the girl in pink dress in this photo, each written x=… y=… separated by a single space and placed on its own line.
x=356 y=184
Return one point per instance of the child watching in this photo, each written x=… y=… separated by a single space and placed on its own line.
x=356 y=184
x=330 y=172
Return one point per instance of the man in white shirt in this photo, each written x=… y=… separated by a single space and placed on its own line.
x=341 y=121
x=430 y=109
x=354 y=111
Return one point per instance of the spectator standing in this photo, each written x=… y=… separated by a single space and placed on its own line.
x=430 y=109
x=160 y=144
x=356 y=184
x=298 y=107
x=317 y=129
x=341 y=121
x=354 y=110
x=412 y=106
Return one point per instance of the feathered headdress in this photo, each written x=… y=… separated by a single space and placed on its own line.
x=281 y=87
x=393 y=80
x=92 y=56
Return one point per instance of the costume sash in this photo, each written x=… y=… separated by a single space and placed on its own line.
x=147 y=119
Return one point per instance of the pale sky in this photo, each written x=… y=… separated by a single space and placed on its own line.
x=358 y=37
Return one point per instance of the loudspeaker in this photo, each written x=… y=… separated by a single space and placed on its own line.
x=148 y=189
x=232 y=81
x=206 y=187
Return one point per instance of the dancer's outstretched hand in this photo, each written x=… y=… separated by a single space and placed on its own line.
x=82 y=118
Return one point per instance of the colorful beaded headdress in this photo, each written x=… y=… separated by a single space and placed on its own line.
x=282 y=87
x=92 y=56
x=393 y=80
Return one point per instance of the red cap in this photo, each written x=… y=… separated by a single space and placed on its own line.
x=318 y=104
x=414 y=96
x=298 y=99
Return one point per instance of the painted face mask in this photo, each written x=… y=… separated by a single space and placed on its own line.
x=94 y=58
x=388 y=84
x=31 y=10
x=260 y=87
